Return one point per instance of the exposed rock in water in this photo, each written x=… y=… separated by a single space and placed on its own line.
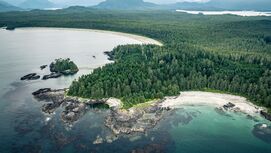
x=266 y=115
x=55 y=98
x=31 y=76
x=52 y=75
x=263 y=132
x=73 y=111
x=50 y=107
x=73 y=107
x=43 y=67
x=228 y=106
x=41 y=91
x=134 y=120
x=120 y=122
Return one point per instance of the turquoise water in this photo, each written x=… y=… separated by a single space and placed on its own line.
x=25 y=129
x=212 y=132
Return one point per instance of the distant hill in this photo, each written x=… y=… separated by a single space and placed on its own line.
x=192 y=6
x=259 y=5
x=125 y=4
x=36 y=4
x=5 y=7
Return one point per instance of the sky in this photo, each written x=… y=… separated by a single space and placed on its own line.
x=94 y=2
x=154 y=1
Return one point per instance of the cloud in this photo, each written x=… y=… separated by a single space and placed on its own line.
x=93 y=2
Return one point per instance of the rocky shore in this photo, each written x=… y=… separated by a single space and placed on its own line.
x=73 y=107
x=265 y=115
x=134 y=120
x=119 y=121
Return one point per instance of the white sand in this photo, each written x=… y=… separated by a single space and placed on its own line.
x=142 y=39
x=211 y=99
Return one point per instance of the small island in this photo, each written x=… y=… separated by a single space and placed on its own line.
x=61 y=67
x=64 y=66
x=58 y=68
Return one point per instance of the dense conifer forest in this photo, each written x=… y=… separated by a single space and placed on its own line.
x=225 y=53
x=65 y=66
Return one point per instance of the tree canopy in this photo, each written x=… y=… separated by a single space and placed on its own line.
x=227 y=53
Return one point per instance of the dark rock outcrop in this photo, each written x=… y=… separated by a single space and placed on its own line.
x=134 y=120
x=43 y=67
x=31 y=76
x=228 y=106
x=73 y=107
x=266 y=115
x=119 y=121
x=41 y=91
x=50 y=107
x=52 y=75
x=73 y=111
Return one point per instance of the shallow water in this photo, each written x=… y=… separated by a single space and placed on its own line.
x=24 y=129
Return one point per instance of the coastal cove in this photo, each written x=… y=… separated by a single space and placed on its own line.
x=26 y=128
x=23 y=51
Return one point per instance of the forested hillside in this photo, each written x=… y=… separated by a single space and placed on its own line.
x=5 y=7
x=226 y=53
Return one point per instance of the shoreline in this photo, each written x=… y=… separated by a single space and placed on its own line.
x=218 y=100
x=140 y=118
x=142 y=39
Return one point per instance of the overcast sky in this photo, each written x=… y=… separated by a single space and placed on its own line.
x=154 y=1
x=93 y=2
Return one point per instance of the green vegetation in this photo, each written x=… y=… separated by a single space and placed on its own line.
x=226 y=53
x=64 y=66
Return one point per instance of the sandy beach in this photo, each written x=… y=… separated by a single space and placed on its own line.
x=212 y=99
x=142 y=39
